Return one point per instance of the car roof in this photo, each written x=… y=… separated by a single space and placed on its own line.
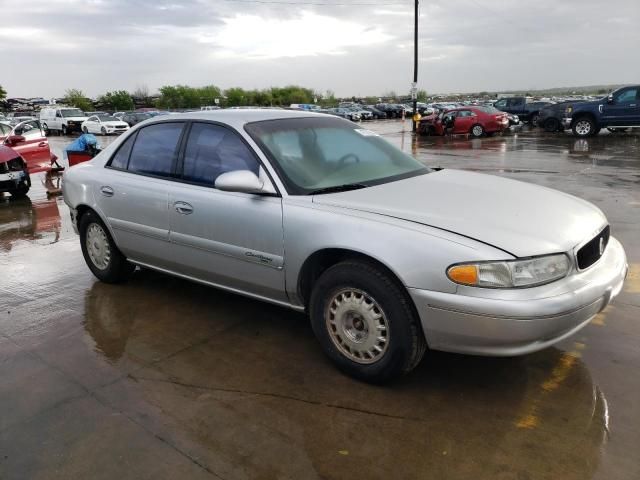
x=239 y=117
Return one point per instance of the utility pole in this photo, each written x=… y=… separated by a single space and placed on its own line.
x=414 y=87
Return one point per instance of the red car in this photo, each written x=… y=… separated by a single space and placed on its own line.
x=14 y=174
x=28 y=140
x=476 y=121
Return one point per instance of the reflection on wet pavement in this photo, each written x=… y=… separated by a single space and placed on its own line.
x=162 y=378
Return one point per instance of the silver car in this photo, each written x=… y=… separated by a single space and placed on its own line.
x=312 y=212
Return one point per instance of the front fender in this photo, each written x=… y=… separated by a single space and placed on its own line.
x=418 y=255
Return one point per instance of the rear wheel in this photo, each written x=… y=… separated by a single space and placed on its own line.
x=477 y=130
x=100 y=252
x=365 y=322
x=584 y=127
x=552 y=125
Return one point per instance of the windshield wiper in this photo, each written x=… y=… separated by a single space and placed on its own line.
x=338 y=188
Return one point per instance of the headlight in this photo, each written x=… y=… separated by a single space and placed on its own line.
x=529 y=272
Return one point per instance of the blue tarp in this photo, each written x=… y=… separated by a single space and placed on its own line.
x=82 y=143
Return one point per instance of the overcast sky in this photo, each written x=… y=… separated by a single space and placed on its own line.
x=359 y=47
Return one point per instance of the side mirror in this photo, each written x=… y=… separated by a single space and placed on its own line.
x=15 y=139
x=243 y=181
x=610 y=99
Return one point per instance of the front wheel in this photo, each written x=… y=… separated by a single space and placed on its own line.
x=64 y=130
x=45 y=129
x=534 y=120
x=477 y=131
x=584 y=127
x=85 y=129
x=103 y=131
x=100 y=252
x=365 y=322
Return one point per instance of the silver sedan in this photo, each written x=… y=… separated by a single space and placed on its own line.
x=314 y=213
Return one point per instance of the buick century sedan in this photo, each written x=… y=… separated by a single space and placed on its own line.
x=308 y=211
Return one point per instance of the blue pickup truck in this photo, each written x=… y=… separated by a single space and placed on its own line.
x=617 y=111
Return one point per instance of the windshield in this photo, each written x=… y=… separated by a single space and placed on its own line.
x=318 y=153
x=107 y=118
x=488 y=109
x=72 y=112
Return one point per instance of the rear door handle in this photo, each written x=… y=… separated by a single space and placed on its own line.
x=106 y=191
x=183 y=207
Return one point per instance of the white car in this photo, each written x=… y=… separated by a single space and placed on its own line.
x=104 y=124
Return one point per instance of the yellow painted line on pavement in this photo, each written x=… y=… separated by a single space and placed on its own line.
x=559 y=374
x=632 y=284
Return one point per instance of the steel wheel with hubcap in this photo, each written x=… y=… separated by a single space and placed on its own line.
x=477 y=131
x=100 y=252
x=365 y=322
x=98 y=246
x=357 y=325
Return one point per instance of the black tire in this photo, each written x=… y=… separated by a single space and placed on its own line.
x=406 y=344
x=63 y=130
x=20 y=192
x=551 y=125
x=584 y=127
x=103 y=131
x=45 y=129
x=534 y=120
x=85 y=129
x=477 y=130
x=117 y=268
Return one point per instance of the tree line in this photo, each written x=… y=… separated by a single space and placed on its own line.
x=173 y=97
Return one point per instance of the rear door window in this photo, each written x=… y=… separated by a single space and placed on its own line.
x=155 y=149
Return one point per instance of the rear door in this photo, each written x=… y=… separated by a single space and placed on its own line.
x=624 y=109
x=132 y=193
x=35 y=147
x=464 y=121
x=227 y=238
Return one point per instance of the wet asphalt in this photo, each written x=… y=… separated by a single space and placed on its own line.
x=161 y=378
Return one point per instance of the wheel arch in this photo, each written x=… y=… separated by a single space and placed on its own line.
x=320 y=260
x=82 y=209
x=580 y=115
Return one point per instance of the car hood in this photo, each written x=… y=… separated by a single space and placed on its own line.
x=114 y=123
x=520 y=218
x=75 y=119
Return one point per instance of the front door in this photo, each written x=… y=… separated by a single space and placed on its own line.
x=624 y=108
x=132 y=193
x=35 y=146
x=227 y=238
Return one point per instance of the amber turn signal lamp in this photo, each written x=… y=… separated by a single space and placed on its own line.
x=465 y=274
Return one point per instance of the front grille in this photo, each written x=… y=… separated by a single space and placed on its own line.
x=591 y=252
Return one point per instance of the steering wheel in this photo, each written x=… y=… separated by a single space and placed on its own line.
x=344 y=159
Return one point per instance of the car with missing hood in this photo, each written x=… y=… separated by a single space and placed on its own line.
x=14 y=174
x=311 y=212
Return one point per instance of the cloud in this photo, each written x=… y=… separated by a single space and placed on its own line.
x=308 y=34
x=465 y=45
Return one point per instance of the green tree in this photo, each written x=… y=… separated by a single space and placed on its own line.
x=76 y=98
x=422 y=95
x=183 y=96
x=118 y=100
x=3 y=93
x=235 y=97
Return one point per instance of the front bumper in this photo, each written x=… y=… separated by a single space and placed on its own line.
x=566 y=122
x=519 y=321
x=11 y=181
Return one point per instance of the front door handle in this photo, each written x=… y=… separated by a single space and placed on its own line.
x=42 y=144
x=106 y=191
x=183 y=207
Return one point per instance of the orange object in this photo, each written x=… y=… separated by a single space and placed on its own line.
x=466 y=274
